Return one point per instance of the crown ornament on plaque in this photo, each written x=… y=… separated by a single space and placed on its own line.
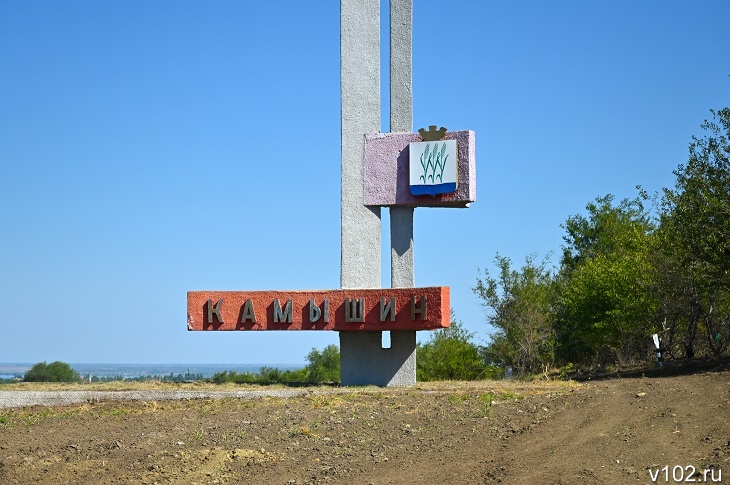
x=432 y=134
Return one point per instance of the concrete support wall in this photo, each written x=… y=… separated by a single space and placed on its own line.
x=375 y=365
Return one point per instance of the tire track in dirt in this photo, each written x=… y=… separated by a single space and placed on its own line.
x=606 y=432
x=615 y=431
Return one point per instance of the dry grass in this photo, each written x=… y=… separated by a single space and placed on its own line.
x=503 y=390
x=501 y=387
x=128 y=386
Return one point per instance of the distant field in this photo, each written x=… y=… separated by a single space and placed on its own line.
x=527 y=387
x=137 y=370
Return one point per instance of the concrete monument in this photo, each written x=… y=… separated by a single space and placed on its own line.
x=399 y=170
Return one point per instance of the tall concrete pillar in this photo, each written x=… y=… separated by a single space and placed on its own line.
x=363 y=361
x=401 y=218
x=360 y=92
x=401 y=119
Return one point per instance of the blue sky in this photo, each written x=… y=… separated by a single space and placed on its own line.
x=151 y=148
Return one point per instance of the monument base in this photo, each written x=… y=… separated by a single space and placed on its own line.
x=364 y=361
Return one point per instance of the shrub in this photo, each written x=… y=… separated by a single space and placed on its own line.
x=324 y=366
x=449 y=354
x=53 y=372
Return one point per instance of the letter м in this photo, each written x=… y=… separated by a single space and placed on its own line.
x=282 y=316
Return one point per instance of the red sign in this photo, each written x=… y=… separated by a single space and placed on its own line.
x=342 y=310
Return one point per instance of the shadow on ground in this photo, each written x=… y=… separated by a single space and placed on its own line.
x=672 y=368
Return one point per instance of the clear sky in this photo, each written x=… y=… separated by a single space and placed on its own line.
x=151 y=148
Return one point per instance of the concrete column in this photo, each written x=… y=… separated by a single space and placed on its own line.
x=360 y=90
x=401 y=119
x=401 y=218
x=401 y=65
x=360 y=263
x=363 y=361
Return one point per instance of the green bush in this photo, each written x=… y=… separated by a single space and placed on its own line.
x=450 y=354
x=324 y=366
x=265 y=376
x=53 y=372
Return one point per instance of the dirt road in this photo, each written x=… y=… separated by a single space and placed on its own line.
x=620 y=430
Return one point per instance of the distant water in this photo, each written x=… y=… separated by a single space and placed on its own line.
x=8 y=371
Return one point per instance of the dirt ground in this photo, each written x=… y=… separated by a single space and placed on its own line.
x=609 y=430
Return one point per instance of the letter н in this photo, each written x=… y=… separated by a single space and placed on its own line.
x=420 y=310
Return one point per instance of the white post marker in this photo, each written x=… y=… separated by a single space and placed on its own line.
x=659 y=356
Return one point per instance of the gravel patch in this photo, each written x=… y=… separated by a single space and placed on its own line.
x=16 y=399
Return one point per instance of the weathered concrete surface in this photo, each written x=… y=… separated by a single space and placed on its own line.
x=401 y=120
x=233 y=309
x=360 y=85
x=386 y=179
x=16 y=399
x=401 y=247
x=401 y=218
x=401 y=65
x=395 y=366
x=360 y=81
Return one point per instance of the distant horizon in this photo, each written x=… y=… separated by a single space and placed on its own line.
x=154 y=363
x=108 y=369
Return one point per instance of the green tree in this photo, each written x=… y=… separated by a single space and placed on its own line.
x=521 y=306
x=449 y=354
x=607 y=307
x=607 y=229
x=324 y=366
x=694 y=266
x=53 y=372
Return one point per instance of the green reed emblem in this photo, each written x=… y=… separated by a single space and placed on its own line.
x=433 y=167
x=433 y=163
